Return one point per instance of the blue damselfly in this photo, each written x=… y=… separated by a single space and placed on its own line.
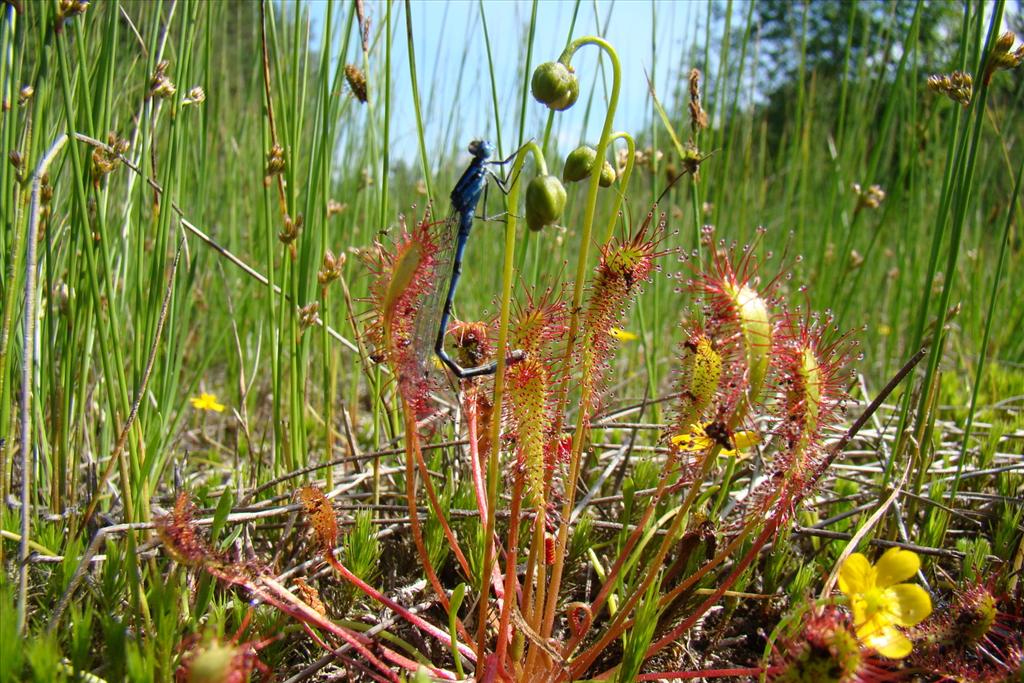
x=436 y=308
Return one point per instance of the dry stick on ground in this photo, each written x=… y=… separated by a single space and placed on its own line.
x=28 y=351
x=863 y=531
x=882 y=543
x=319 y=664
x=103 y=533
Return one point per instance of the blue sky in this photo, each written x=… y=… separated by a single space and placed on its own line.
x=449 y=40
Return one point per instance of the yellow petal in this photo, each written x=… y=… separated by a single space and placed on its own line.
x=691 y=443
x=206 y=401
x=856 y=575
x=622 y=335
x=888 y=642
x=896 y=565
x=746 y=439
x=910 y=604
x=859 y=607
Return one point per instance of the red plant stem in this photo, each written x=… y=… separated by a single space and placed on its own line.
x=619 y=623
x=511 y=557
x=287 y=603
x=472 y=430
x=356 y=664
x=315 y=636
x=413 y=619
x=620 y=560
x=755 y=549
x=438 y=512
x=472 y=413
x=708 y=566
x=533 y=607
x=388 y=653
x=412 y=445
x=696 y=576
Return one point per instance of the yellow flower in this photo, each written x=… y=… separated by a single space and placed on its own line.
x=207 y=401
x=879 y=601
x=703 y=437
x=622 y=335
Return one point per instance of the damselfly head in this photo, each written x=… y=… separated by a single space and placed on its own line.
x=481 y=149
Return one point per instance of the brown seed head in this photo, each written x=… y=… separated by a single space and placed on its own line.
x=1003 y=57
x=275 y=161
x=356 y=82
x=957 y=86
x=160 y=84
x=331 y=269
x=698 y=117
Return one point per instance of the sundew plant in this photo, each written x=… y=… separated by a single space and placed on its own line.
x=298 y=383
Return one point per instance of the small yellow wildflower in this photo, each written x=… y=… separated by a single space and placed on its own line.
x=207 y=401
x=703 y=437
x=879 y=601
x=622 y=335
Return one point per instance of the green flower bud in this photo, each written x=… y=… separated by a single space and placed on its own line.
x=555 y=85
x=212 y=662
x=580 y=162
x=607 y=174
x=545 y=201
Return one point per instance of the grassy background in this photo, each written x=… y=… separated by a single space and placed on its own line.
x=125 y=333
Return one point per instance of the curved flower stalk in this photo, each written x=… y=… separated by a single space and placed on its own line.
x=623 y=182
x=556 y=85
